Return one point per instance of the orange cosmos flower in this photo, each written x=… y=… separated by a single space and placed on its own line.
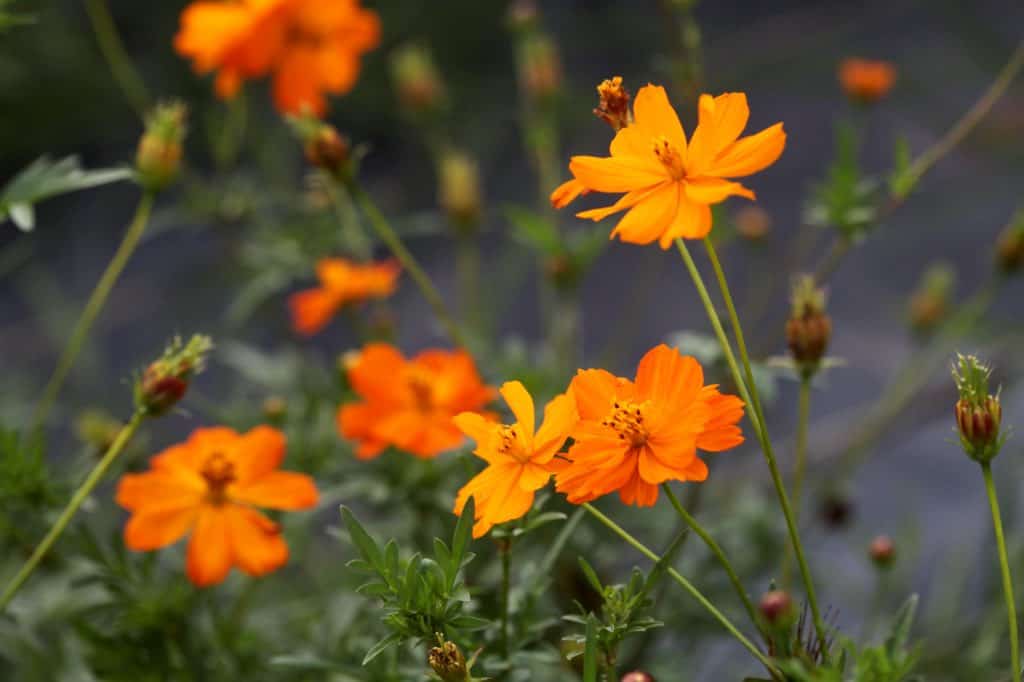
x=312 y=47
x=634 y=435
x=341 y=282
x=409 y=404
x=209 y=485
x=866 y=80
x=517 y=458
x=670 y=183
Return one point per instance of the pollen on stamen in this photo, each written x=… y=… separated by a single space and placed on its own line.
x=669 y=157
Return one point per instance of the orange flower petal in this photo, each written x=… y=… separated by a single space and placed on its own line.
x=256 y=453
x=697 y=470
x=257 y=547
x=637 y=491
x=312 y=309
x=626 y=201
x=278 y=490
x=714 y=190
x=692 y=221
x=750 y=154
x=721 y=120
x=646 y=221
x=560 y=417
x=655 y=115
x=567 y=192
x=159 y=489
x=533 y=477
x=208 y=560
x=158 y=526
x=521 y=404
x=667 y=377
x=594 y=391
x=617 y=173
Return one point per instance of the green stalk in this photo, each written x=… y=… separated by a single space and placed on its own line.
x=506 y=586
x=748 y=391
x=716 y=549
x=1004 y=565
x=393 y=242
x=128 y=79
x=688 y=586
x=95 y=304
x=80 y=495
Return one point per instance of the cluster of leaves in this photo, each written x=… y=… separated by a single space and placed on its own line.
x=26 y=488
x=422 y=596
x=847 y=199
x=568 y=256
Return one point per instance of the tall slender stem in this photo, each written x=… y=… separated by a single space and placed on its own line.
x=748 y=391
x=128 y=79
x=92 y=309
x=1004 y=565
x=393 y=242
x=506 y=585
x=716 y=549
x=80 y=495
x=686 y=585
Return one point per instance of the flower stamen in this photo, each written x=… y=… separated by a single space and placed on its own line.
x=627 y=419
x=219 y=473
x=669 y=157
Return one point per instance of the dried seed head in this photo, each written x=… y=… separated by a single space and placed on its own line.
x=447 y=661
x=809 y=328
x=613 y=108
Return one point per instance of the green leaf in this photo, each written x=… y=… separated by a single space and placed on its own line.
x=43 y=179
x=382 y=646
x=900 y=633
x=362 y=540
x=590 y=651
x=534 y=230
x=463 y=534
x=591 y=575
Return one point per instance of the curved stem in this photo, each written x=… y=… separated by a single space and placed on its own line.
x=1004 y=565
x=686 y=585
x=394 y=243
x=694 y=525
x=923 y=163
x=92 y=309
x=69 y=512
x=748 y=391
x=120 y=63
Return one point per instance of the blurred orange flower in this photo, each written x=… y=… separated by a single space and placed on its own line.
x=516 y=457
x=341 y=282
x=209 y=485
x=634 y=435
x=409 y=404
x=866 y=80
x=312 y=47
x=670 y=184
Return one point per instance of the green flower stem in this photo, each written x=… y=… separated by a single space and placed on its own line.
x=748 y=391
x=1004 y=565
x=506 y=586
x=687 y=585
x=694 y=525
x=95 y=304
x=80 y=495
x=120 y=63
x=394 y=243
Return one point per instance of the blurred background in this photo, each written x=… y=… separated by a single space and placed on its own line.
x=228 y=244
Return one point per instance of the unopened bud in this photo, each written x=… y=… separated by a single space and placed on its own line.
x=164 y=382
x=809 y=328
x=522 y=14
x=929 y=304
x=753 y=223
x=328 y=150
x=866 y=81
x=159 y=156
x=448 y=662
x=1010 y=248
x=540 y=70
x=882 y=551
x=835 y=510
x=638 y=676
x=459 y=192
x=275 y=408
x=776 y=608
x=979 y=413
x=417 y=80
x=613 y=108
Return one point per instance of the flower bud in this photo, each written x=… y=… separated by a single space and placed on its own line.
x=275 y=408
x=638 y=676
x=866 y=81
x=448 y=662
x=522 y=15
x=777 y=609
x=417 y=80
x=159 y=155
x=809 y=328
x=459 y=192
x=164 y=383
x=835 y=510
x=753 y=223
x=979 y=414
x=1010 y=248
x=929 y=304
x=328 y=150
x=882 y=551
x=613 y=108
x=540 y=69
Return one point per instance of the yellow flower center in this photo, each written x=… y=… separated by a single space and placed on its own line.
x=422 y=391
x=510 y=445
x=219 y=473
x=627 y=419
x=669 y=157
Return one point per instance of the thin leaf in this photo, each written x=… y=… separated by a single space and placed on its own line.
x=590 y=651
x=382 y=646
x=362 y=540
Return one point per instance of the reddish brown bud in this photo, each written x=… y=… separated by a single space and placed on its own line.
x=809 y=328
x=638 y=676
x=753 y=223
x=328 y=150
x=275 y=408
x=448 y=662
x=882 y=551
x=835 y=511
x=1010 y=248
x=164 y=382
x=777 y=608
